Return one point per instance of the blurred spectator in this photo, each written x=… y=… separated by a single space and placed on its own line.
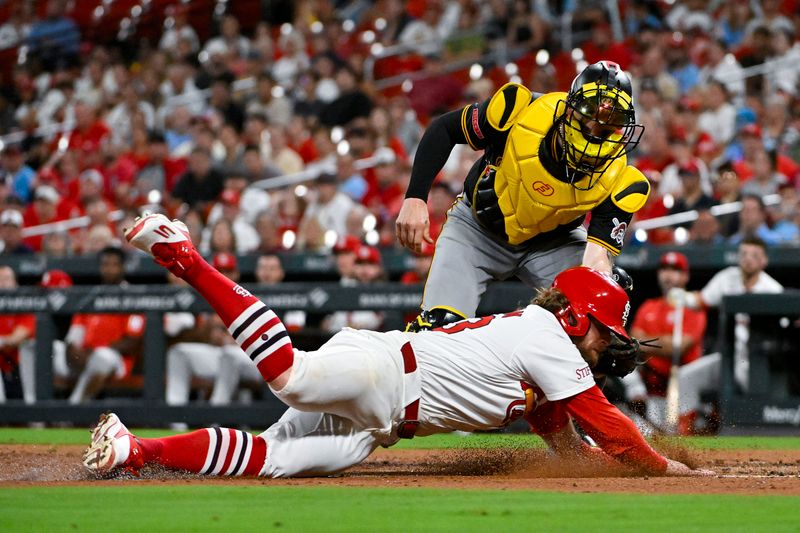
x=283 y=156
x=732 y=20
x=783 y=66
x=177 y=29
x=705 y=230
x=219 y=237
x=54 y=39
x=161 y=171
x=179 y=83
x=784 y=216
x=752 y=148
x=601 y=46
x=721 y=66
x=691 y=193
x=221 y=102
x=436 y=92
x=293 y=60
x=770 y=17
x=51 y=279
x=201 y=184
x=91 y=136
x=15 y=329
x=270 y=101
x=44 y=209
x=104 y=346
x=328 y=210
x=718 y=118
x=16 y=28
x=228 y=208
x=352 y=102
x=345 y=251
x=269 y=235
x=419 y=272
x=17 y=175
x=178 y=131
x=684 y=158
x=368 y=269
x=646 y=389
x=678 y=63
x=753 y=222
x=120 y=117
x=766 y=179
x=57 y=245
x=11 y=233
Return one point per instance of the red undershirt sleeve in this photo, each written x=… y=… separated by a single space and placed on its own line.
x=615 y=433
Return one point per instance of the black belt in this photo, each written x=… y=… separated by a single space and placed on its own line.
x=407 y=427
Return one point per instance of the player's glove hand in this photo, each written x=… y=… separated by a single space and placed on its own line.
x=621 y=357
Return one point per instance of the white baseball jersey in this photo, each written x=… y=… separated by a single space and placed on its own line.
x=348 y=395
x=729 y=282
x=472 y=372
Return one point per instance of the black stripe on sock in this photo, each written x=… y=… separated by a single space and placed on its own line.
x=249 y=321
x=242 y=453
x=215 y=457
x=272 y=340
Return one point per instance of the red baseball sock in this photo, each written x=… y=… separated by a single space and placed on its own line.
x=257 y=329
x=213 y=451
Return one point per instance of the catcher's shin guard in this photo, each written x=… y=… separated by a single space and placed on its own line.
x=434 y=318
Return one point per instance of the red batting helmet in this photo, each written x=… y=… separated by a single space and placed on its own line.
x=56 y=279
x=591 y=293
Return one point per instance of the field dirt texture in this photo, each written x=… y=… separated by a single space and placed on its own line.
x=762 y=472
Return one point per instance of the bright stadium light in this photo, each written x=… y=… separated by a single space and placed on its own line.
x=348 y=26
x=380 y=23
x=154 y=197
x=317 y=27
x=407 y=85
x=542 y=57
x=515 y=79
x=337 y=134
x=681 y=235
x=370 y=223
x=368 y=36
x=343 y=148
x=300 y=191
x=288 y=240
x=376 y=49
x=286 y=28
x=330 y=238
x=668 y=201
x=372 y=238
x=640 y=235
x=511 y=69
x=577 y=54
x=475 y=71
x=278 y=92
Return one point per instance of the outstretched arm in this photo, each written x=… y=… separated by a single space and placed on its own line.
x=618 y=436
x=413 y=225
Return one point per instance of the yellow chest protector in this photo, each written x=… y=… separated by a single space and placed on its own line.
x=530 y=199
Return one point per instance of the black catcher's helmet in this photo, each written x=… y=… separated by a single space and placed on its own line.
x=597 y=123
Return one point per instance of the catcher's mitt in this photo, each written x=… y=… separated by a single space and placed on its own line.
x=622 y=357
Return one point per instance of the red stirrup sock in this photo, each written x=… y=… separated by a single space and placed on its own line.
x=257 y=329
x=211 y=451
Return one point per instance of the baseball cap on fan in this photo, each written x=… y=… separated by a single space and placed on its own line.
x=368 y=254
x=11 y=217
x=675 y=261
x=225 y=261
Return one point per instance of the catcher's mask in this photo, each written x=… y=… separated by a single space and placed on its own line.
x=596 y=123
x=592 y=294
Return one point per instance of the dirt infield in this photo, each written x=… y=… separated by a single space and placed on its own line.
x=763 y=472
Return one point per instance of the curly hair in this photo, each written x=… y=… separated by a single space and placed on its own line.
x=551 y=299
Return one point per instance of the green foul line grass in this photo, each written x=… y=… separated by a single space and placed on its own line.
x=489 y=440
x=261 y=507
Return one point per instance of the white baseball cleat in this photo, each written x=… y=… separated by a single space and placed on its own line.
x=168 y=241
x=113 y=447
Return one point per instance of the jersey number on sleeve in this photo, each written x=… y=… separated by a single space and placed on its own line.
x=474 y=323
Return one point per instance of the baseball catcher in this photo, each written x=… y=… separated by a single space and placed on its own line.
x=548 y=161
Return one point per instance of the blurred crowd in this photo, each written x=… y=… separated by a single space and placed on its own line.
x=286 y=133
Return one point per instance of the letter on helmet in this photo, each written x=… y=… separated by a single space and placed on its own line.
x=592 y=294
x=597 y=123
